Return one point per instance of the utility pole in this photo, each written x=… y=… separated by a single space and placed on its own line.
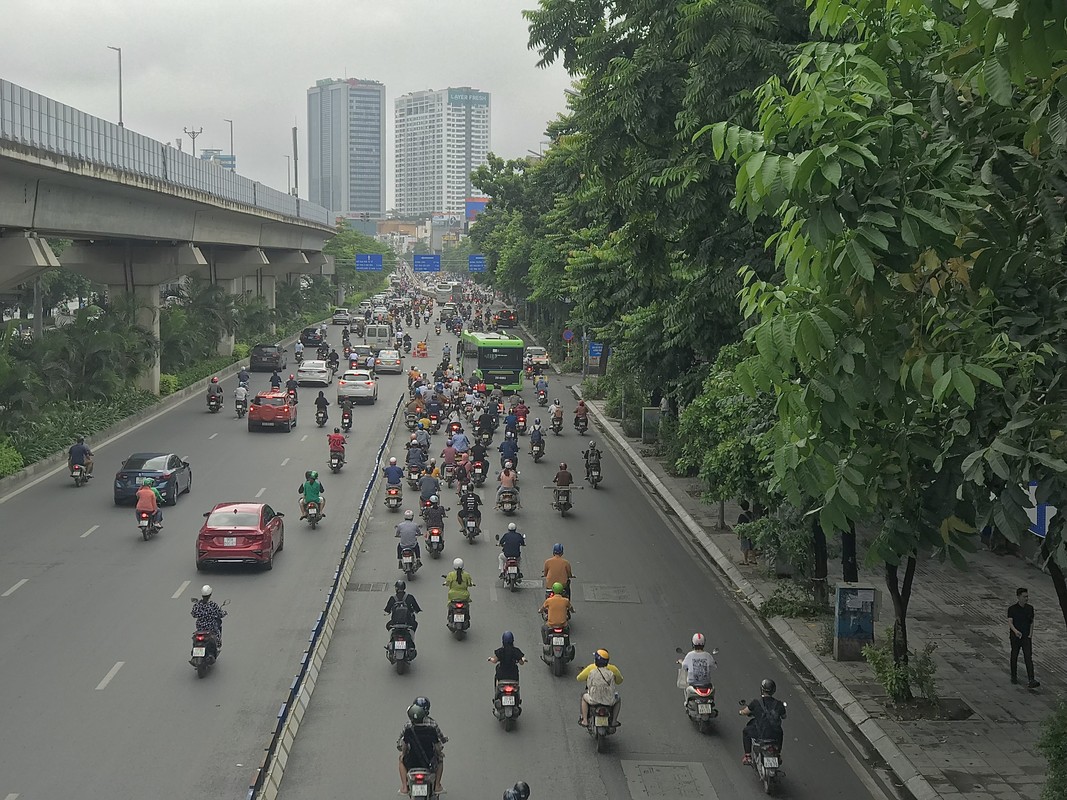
x=192 y=135
x=119 y=51
x=288 y=173
x=233 y=158
x=296 y=168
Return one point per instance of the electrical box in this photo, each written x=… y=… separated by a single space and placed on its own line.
x=855 y=612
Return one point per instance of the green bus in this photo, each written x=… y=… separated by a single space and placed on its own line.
x=495 y=358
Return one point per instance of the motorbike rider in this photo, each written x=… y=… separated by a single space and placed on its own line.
x=337 y=442
x=80 y=454
x=521 y=409
x=292 y=385
x=511 y=544
x=416 y=456
x=214 y=389
x=298 y=350
x=422 y=436
x=424 y=704
x=557 y=569
x=509 y=449
x=149 y=499
x=520 y=791
x=537 y=436
x=511 y=423
x=275 y=380
x=697 y=664
x=310 y=491
x=321 y=404
x=346 y=335
x=601 y=677
x=429 y=487
x=508 y=480
x=434 y=515
x=767 y=713
x=394 y=475
x=240 y=394
x=557 y=412
x=459 y=582
x=507 y=658
x=563 y=477
x=542 y=384
x=468 y=507
x=409 y=533
x=402 y=609
x=592 y=458
x=486 y=422
x=407 y=341
x=448 y=455
x=334 y=360
x=556 y=610
x=243 y=376
x=581 y=412
x=460 y=441
x=208 y=615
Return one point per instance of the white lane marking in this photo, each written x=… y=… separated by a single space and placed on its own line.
x=182 y=588
x=492 y=593
x=12 y=796
x=284 y=462
x=304 y=438
x=89 y=531
x=111 y=673
x=261 y=491
x=14 y=588
x=212 y=436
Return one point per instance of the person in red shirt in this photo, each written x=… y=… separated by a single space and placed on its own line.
x=337 y=441
x=148 y=500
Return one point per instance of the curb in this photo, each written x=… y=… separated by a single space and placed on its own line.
x=914 y=781
x=44 y=465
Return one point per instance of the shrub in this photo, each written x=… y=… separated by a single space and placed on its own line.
x=241 y=350
x=787 y=538
x=1053 y=744
x=10 y=459
x=790 y=599
x=898 y=679
x=201 y=370
x=168 y=384
x=593 y=388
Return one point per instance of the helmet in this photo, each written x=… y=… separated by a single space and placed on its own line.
x=555 y=402
x=314 y=475
x=392 y=462
x=80 y=439
x=511 y=526
x=400 y=586
x=205 y=591
x=448 y=442
x=521 y=790
x=767 y=686
x=148 y=482
x=601 y=658
x=434 y=498
x=557 y=588
x=507 y=638
x=416 y=713
x=698 y=640
x=215 y=378
x=592 y=445
x=509 y=435
x=409 y=514
x=562 y=464
x=507 y=465
x=537 y=420
x=423 y=703
x=421 y=426
x=557 y=549
x=457 y=563
x=336 y=430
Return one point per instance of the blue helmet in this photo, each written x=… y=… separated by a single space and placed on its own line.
x=507 y=638
x=557 y=549
x=423 y=703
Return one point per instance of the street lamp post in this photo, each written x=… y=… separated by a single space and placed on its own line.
x=119 y=51
x=192 y=135
x=288 y=171
x=233 y=159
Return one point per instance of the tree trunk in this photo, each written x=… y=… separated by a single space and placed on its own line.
x=722 y=515
x=901 y=596
x=1056 y=573
x=819 y=589
x=849 y=566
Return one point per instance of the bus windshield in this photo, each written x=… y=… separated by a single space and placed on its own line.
x=490 y=357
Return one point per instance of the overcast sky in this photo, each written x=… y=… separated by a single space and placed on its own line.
x=195 y=63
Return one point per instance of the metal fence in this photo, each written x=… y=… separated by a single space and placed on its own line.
x=32 y=120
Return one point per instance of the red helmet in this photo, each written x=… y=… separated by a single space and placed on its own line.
x=290 y=376
x=214 y=378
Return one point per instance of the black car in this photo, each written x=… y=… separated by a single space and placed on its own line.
x=311 y=337
x=172 y=475
x=267 y=358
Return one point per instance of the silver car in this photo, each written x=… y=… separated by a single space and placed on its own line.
x=389 y=361
x=314 y=373
x=342 y=317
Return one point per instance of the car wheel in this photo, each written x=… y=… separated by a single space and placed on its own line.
x=172 y=498
x=251 y=427
x=200 y=566
x=189 y=486
x=268 y=565
x=281 y=542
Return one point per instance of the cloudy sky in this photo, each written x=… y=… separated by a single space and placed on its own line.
x=195 y=63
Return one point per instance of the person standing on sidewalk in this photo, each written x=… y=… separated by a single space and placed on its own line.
x=1020 y=634
x=748 y=554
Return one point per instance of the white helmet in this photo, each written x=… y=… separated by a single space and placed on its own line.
x=698 y=640
x=392 y=462
x=205 y=591
x=435 y=499
x=507 y=465
x=409 y=514
x=457 y=564
x=511 y=526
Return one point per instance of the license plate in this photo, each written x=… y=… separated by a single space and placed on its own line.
x=435 y=538
x=596 y=473
x=557 y=641
x=409 y=560
x=470 y=526
x=459 y=617
x=400 y=644
x=513 y=570
x=420 y=790
x=770 y=761
x=507 y=700
x=267 y=424
x=704 y=708
x=199 y=652
x=229 y=541
x=143 y=523
x=600 y=722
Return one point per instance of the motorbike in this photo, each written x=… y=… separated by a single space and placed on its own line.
x=437 y=328
x=538 y=450
x=416 y=322
x=414 y=473
x=478 y=473
x=299 y=356
x=542 y=397
x=557 y=425
x=411 y=421
x=520 y=426
x=600 y=725
x=146 y=522
x=485 y=437
x=407 y=347
x=594 y=474
x=320 y=417
x=435 y=422
x=581 y=424
x=507 y=705
x=78 y=473
x=334 y=366
x=337 y=460
x=435 y=542
x=557 y=650
x=206 y=649
x=512 y=576
x=242 y=408
x=453 y=429
x=561 y=499
x=420 y=783
x=471 y=529
x=766 y=761
x=401 y=648
x=450 y=475
x=393 y=498
x=346 y=420
x=509 y=501
x=459 y=620
x=214 y=403
x=314 y=514
x=408 y=563
x=291 y=396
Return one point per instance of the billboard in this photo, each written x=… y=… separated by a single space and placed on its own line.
x=467 y=97
x=475 y=206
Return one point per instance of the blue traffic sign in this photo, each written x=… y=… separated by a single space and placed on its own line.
x=568 y=334
x=476 y=263
x=596 y=349
x=368 y=262
x=427 y=263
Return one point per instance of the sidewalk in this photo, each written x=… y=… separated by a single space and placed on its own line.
x=991 y=755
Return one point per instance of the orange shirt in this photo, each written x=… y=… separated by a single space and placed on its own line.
x=557 y=570
x=557 y=607
x=146 y=500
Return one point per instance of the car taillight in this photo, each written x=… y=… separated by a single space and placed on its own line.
x=368 y=383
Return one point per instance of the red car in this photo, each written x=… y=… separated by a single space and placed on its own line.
x=240 y=533
x=272 y=409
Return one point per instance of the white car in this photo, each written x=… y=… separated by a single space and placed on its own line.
x=538 y=355
x=341 y=316
x=314 y=373
x=357 y=384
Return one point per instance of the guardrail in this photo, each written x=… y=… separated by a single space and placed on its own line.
x=33 y=120
x=266 y=782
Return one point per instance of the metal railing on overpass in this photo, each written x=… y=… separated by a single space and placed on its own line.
x=35 y=121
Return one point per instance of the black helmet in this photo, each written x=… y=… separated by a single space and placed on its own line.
x=521 y=790
x=416 y=713
x=400 y=586
x=768 y=686
x=423 y=703
x=336 y=430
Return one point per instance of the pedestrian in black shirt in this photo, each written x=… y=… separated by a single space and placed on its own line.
x=1020 y=634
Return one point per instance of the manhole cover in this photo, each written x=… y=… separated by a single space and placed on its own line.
x=667 y=780
x=605 y=593
x=367 y=587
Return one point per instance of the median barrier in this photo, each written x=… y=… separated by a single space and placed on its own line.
x=267 y=779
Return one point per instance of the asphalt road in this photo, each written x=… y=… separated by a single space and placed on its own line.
x=639 y=592
x=98 y=700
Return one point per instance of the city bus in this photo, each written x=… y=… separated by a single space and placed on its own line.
x=495 y=358
x=443 y=292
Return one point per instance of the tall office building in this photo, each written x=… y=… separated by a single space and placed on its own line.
x=441 y=137
x=346 y=146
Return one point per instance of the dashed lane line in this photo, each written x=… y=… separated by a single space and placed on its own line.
x=89 y=531
x=15 y=588
x=182 y=588
x=111 y=673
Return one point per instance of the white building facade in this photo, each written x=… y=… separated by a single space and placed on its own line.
x=442 y=136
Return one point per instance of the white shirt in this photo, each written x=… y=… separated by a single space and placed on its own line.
x=240 y=393
x=698 y=665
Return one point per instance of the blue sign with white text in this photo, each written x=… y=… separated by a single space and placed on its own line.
x=427 y=263
x=368 y=262
x=596 y=349
x=476 y=263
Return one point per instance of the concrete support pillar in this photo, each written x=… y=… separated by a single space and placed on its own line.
x=266 y=288
x=226 y=267
x=147 y=299
x=22 y=258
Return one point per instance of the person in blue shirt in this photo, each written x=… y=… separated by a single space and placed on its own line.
x=80 y=453
x=509 y=450
x=394 y=475
x=511 y=422
x=416 y=455
x=461 y=441
x=243 y=376
x=537 y=436
x=542 y=384
x=511 y=544
x=275 y=380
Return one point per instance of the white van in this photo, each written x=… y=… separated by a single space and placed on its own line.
x=379 y=336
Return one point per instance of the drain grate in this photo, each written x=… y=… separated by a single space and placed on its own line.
x=367 y=587
x=605 y=593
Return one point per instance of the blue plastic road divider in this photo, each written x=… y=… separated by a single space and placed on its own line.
x=267 y=777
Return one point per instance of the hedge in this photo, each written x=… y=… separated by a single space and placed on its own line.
x=10 y=459
x=168 y=384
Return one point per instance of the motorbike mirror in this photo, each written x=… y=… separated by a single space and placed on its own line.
x=678 y=650
x=496 y=538
x=207 y=513
x=226 y=602
x=279 y=513
x=742 y=703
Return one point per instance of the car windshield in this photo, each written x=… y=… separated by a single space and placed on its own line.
x=357 y=376
x=269 y=401
x=312 y=365
x=231 y=518
x=389 y=354
x=146 y=462
x=309 y=331
x=535 y=351
x=265 y=350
